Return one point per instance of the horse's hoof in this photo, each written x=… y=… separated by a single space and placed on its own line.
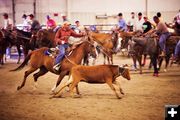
x=52 y=93
x=19 y=87
x=119 y=97
x=77 y=96
x=54 y=96
x=156 y=74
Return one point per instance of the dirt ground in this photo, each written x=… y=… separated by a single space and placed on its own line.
x=144 y=99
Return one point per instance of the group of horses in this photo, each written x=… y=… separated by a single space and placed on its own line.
x=140 y=45
x=107 y=43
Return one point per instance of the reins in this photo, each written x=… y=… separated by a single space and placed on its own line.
x=19 y=36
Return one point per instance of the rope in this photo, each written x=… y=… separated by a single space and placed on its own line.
x=70 y=60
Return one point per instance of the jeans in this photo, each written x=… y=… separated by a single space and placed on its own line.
x=177 y=50
x=162 y=40
x=62 y=50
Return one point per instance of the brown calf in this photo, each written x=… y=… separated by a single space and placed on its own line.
x=96 y=74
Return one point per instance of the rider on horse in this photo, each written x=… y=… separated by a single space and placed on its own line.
x=163 y=32
x=61 y=40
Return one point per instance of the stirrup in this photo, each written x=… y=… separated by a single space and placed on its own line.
x=57 y=67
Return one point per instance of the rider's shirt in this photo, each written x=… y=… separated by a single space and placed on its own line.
x=63 y=35
x=51 y=23
x=8 y=24
x=162 y=28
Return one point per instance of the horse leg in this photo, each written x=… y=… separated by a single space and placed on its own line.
x=108 y=59
x=167 y=58
x=94 y=61
x=77 y=90
x=160 y=60
x=58 y=94
x=104 y=59
x=139 y=58
x=144 y=60
x=111 y=59
x=134 y=62
x=27 y=73
x=19 y=53
x=1 y=59
x=41 y=72
x=154 y=62
x=61 y=76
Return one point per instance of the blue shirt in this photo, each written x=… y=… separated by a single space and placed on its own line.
x=122 y=25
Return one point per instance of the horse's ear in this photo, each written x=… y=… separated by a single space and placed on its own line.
x=125 y=66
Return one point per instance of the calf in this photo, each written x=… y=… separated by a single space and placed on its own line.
x=96 y=74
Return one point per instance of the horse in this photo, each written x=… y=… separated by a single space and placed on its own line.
x=148 y=45
x=9 y=41
x=170 y=48
x=108 y=43
x=45 y=63
x=44 y=38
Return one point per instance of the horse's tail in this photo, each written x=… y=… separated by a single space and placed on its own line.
x=24 y=62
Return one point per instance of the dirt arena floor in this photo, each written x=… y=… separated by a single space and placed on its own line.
x=144 y=99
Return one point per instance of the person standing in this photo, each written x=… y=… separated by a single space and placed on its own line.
x=121 y=23
x=35 y=25
x=8 y=26
x=146 y=26
x=78 y=27
x=8 y=23
x=132 y=22
x=139 y=23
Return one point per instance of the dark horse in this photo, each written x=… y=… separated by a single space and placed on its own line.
x=148 y=45
x=8 y=39
x=38 y=60
x=170 y=48
x=44 y=38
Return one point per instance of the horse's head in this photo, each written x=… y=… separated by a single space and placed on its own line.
x=90 y=47
x=124 y=71
x=41 y=35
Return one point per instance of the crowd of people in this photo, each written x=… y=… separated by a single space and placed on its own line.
x=141 y=24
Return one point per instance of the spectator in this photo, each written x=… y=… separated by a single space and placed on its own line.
x=8 y=23
x=139 y=23
x=78 y=27
x=159 y=16
x=132 y=22
x=51 y=24
x=146 y=25
x=121 y=23
x=26 y=25
x=35 y=25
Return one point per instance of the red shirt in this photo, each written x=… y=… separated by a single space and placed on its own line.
x=63 y=35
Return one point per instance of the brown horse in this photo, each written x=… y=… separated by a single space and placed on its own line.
x=45 y=63
x=108 y=43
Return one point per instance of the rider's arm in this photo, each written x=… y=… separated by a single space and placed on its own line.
x=74 y=34
x=57 y=37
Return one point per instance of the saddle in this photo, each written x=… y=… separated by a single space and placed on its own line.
x=52 y=52
x=172 y=40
